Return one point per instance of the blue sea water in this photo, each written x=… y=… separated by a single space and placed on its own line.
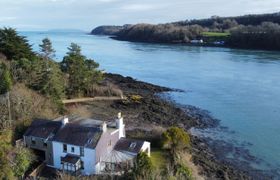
x=239 y=87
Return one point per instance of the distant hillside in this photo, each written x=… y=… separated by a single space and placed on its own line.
x=107 y=30
x=162 y=33
x=253 y=19
x=250 y=31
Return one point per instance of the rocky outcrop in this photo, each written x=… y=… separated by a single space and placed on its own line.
x=107 y=30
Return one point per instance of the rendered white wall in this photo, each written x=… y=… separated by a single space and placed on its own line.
x=146 y=147
x=88 y=158
x=89 y=161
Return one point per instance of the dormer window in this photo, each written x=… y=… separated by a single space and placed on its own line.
x=89 y=141
x=132 y=145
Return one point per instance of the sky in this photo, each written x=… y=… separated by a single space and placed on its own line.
x=87 y=14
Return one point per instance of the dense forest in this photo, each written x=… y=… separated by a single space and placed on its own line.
x=249 y=31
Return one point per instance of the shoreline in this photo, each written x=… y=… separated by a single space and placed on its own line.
x=184 y=44
x=154 y=111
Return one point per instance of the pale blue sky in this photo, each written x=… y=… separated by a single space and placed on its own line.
x=87 y=14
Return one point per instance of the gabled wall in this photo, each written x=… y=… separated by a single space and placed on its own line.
x=103 y=148
x=88 y=158
x=39 y=145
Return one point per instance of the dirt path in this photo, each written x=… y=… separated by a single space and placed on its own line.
x=97 y=98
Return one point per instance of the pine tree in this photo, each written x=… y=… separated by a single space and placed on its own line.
x=14 y=46
x=82 y=72
x=5 y=79
x=46 y=49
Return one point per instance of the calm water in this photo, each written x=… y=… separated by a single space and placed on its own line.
x=239 y=87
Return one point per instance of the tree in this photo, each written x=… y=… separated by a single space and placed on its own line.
x=82 y=72
x=5 y=79
x=143 y=166
x=48 y=81
x=46 y=49
x=175 y=139
x=14 y=46
x=22 y=161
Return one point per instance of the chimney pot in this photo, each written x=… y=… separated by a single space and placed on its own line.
x=65 y=120
x=104 y=126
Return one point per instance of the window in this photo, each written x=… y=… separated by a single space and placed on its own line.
x=64 y=147
x=45 y=144
x=82 y=151
x=82 y=165
x=33 y=140
x=132 y=145
x=72 y=149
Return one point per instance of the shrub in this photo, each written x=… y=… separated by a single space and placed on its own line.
x=23 y=160
x=175 y=139
x=143 y=166
x=136 y=98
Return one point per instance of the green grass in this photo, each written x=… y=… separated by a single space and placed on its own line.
x=158 y=158
x=215 y=34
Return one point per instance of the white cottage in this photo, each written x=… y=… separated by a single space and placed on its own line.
x=83 y=146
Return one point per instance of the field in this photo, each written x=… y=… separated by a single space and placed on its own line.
x=215 y=34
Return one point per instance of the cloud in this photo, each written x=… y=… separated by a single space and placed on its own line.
x=86 y=14
x=5 y=19
x=107 y=1
x=138 y=7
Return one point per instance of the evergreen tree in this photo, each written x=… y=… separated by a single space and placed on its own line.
x=14 y=46
x=5 y=79
x=82 y=72
x=48 y=81
x=46 y=49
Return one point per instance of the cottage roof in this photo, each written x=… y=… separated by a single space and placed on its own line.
x=118 y=157
x=79 y=135
x=43 y=128
x=129 y=145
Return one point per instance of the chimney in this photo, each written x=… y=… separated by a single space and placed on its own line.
x=120 y=125
x=104 y=127
x=65 y=120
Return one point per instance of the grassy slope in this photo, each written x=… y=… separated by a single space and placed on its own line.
x=215 y=34
x=158 y=158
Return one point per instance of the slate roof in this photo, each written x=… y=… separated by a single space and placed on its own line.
x=129 y=145
x=43 y=128
x=79 y=135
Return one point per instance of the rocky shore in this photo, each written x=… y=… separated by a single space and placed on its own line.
x=147 y=111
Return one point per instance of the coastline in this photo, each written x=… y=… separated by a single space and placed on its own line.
x=184 y=44
x=154 y=111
